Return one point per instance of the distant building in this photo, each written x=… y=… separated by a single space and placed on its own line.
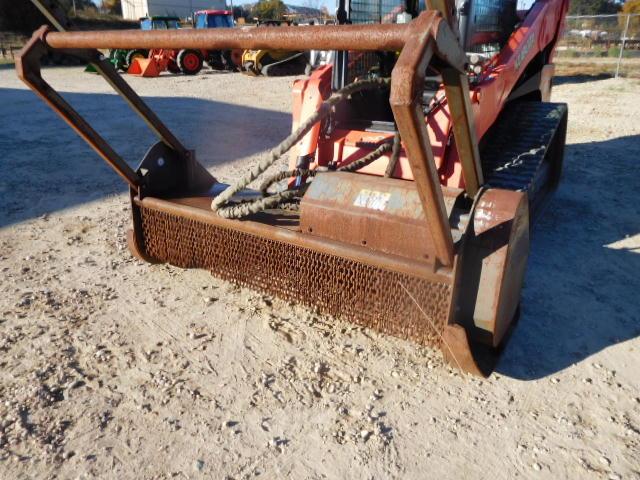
x=135 y=9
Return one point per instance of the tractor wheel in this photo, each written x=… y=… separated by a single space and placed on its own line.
x=132 y=55
x=190 y=61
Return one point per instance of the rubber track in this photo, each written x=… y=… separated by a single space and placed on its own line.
x=515 y=147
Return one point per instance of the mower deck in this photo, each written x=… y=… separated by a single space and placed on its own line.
x=269 y=253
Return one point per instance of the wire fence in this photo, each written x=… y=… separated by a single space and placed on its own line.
x=600 y=44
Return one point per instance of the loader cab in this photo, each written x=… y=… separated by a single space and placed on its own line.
x=368 y=110
x=484 y=27
x=213 y=19
x=159 y=23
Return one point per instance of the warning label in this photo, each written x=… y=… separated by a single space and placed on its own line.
x=372 y=200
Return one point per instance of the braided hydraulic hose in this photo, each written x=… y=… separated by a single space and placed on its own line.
x=220 y=203
x=367 y=159
x=278 y=176
x=395 y=155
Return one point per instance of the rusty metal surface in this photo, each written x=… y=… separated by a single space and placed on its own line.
x=390 y=302
x=457 y=350
x=407 y=81
x=388 y=37
x=493 y=264
x=272 y=228
x=456 y=86
x=384 y=214
x=109 y=73
x=448 y=10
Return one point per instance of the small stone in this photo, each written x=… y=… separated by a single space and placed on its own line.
x=537 y=467
x=68 y=454
x=614 y=476
x=605 y=461
x=74 y=384
x=199 y=465
x=587 y=380
x=365 y=434
x=209 y=300
x=555 y=380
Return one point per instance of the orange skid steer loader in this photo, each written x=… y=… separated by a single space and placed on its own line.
x=418 y=160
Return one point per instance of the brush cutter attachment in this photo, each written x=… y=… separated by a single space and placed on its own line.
x=440 y=266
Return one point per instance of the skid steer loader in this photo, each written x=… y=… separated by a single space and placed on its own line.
x=418 y=161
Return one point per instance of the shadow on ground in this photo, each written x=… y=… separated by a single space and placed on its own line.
x=574 y=79
x=46 y=167
x=582 y=287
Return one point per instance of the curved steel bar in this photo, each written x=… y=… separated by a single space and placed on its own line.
x=407 y=82
x=28 y=70
x=388 y=37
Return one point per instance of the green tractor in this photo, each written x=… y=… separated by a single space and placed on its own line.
x=122 y=59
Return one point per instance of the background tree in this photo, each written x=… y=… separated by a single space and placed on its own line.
x=324 y=11
x=269 y=10
x=242 y=11
x=112 y=6
x=593 y=7
x=630 y=7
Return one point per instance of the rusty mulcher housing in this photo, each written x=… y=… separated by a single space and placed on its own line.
x=439 y=265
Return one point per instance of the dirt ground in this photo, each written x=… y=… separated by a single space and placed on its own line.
x=112 y=368
x=597 y=66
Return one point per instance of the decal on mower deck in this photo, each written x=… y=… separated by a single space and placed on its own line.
x=372 y=199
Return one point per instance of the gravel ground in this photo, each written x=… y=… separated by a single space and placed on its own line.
x=112 y=368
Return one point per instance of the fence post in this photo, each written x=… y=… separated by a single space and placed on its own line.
x=624 y=39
